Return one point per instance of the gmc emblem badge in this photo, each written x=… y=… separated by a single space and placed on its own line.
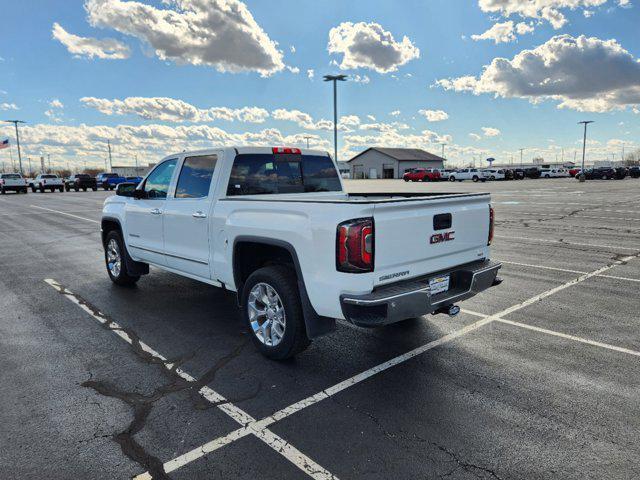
x=442 y=237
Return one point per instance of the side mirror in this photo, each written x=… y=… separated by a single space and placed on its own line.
x=126 y=189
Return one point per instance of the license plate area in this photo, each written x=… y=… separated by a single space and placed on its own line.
x=439 y=284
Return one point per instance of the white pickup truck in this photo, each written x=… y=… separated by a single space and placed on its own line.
x=12 y=182
x=475 y=174
x=276 y=226
x=47 y=181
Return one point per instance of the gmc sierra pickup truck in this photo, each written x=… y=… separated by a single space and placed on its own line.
x=275 y=226
x=12 y=182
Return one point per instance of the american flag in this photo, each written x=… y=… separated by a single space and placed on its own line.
x=4 y=144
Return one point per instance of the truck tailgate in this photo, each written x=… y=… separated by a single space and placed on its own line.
x=414 y=238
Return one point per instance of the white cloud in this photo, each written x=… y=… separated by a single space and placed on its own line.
x=491 y=132
x=292 y=49
x=311 y=74
x=294 y=70
x=395 y=113
x=548 y=10
x=218 y=33
x=306 y=121
x=584 y=74
x=475 y=136
x=53 y=113
x=8 y=106
x=434 y=115
x=504 y=32
x=107 y=48
x=360 y=79
x=368 y=45
x=173 y=110
x=371 y=118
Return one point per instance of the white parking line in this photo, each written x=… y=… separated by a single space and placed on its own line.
x=547 y=240
x=544 y=267
x=566 y=336
x=65 y=213
x=277 y=443
x=261 y=425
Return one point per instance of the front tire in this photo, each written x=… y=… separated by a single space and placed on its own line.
x=272 y=311
x=475 y=179
x=114 y=256
x=452 y=179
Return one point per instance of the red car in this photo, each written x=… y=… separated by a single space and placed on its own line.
x=574 y=171
x=422 y=175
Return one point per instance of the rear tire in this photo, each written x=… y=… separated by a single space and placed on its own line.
x=475 y=179
x=268 y=317
x=3 y=191
x=114 y=256
x=33 y=189
x=452 y=179
x=95 y=189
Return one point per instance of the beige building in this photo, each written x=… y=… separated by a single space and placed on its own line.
x=378 y=162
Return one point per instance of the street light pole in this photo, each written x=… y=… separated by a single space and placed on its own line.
x=307 y=137
x=335 y=79
x=15 y=124
x=443 y=159
x=110 y=163
x=584 y=146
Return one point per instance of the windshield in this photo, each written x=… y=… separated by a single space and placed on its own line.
x=11 y=176
x=49 y=176
x=254 y=174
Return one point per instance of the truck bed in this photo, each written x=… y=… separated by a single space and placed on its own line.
x=357 y=198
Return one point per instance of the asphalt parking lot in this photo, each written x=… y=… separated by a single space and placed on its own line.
x=536 y=378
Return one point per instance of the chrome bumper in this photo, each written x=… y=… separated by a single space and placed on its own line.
x=412 y=298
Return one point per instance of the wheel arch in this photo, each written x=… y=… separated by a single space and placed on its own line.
x=109 y=224
x=266 y=251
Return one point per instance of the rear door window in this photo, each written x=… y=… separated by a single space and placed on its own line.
x=195 y=176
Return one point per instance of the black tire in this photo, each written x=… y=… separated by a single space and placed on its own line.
x=283 y=280
x=452 y=178
x=33 y=189
x=77 y=189
x=94 y=189
x=84 y=189
x=123 y=278
x=41 y=189
x=3 y=191
x=67 y=188
x=61 y=189
x=406 y=179
x=475 y=178
x=105 y=188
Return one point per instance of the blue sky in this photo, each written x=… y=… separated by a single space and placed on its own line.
x=406 y=57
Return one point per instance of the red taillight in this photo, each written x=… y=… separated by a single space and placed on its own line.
x=279 y=150
x=355 y=246
x=491 y=223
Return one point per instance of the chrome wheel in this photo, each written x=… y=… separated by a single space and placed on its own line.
x=114 y=259
x=266 y=314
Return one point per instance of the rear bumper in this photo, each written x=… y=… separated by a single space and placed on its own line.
x=14 y=188
x=412 y=298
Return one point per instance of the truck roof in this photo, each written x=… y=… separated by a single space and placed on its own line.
x=248 y=150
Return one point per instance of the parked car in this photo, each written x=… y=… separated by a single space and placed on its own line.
x=621 y=173
x=548 y=172
x=532 y=172
x=494 y=174
x=12 y=182
x=80 y=181
x=573 y=172
x=422 y=175
x=136 y=180
x=600 y=173
x=634 y=172
x=47 y=181
x=461 y=174
x=109 y=181
x=276 y=227
x=519 y=174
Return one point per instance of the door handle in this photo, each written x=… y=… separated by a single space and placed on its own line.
x=199 y=214
x=156 y=211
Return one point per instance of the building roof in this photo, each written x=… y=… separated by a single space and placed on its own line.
x=404 y=154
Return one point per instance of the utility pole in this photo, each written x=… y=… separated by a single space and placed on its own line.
x=110 y=163
x=335 y=79
x=136 y=158
x=443 y=159
x=623 y=152
x=15 y=124
x=584 y=146
x=49 y=161
x=30 y=171
x=521 y=150
x=307 y=137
